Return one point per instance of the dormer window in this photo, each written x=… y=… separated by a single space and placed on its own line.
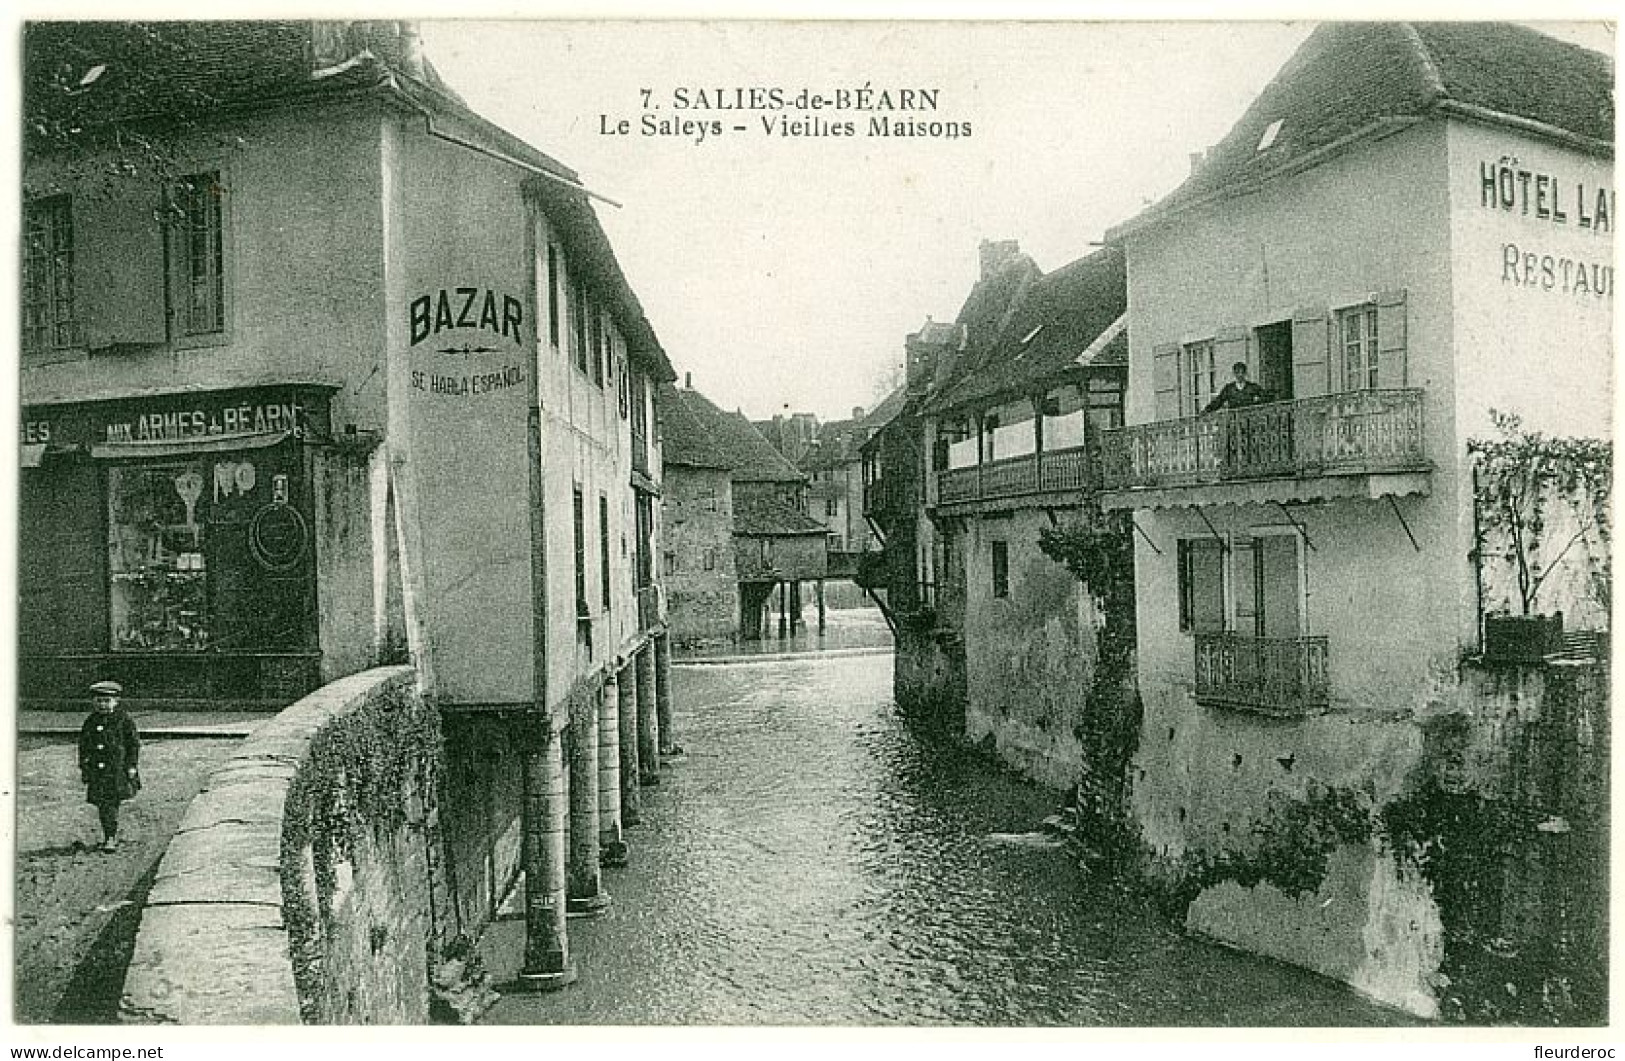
x=1270 y=134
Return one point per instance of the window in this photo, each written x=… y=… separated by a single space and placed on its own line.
x=581 y=555
x=710 y=560
x=553 y=295
x=832 y=508
x=49 y=320
x=578 y=322
x=1201 y=375
x=200 y=255
x=1105 y=404
x=1357 y=337
x=1001 y=569
x=603 y=547
x=597 y=339
x=671 y=563
x=1201 y=585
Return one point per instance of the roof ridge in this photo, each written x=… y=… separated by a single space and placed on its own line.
x=1419 y=50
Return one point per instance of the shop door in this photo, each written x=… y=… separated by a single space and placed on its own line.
x=260 y=558
x=62 y=560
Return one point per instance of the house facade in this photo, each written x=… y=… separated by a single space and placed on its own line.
x=1013 y=453
x=350 y=376
x=1393 y=244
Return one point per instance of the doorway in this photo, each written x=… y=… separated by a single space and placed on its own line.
x=1275 y=359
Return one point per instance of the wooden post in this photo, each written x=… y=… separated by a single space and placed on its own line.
x=795 y=607
x=648 y=720
x=784 y=610
x=612 y=846
x=586 y=895
x=547 y=965
x=627 y=723
x=663 y=702
x=819 y=589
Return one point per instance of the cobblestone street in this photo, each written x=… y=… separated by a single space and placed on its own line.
x=77 y=907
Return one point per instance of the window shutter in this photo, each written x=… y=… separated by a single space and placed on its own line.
x=1391 y=339
x=1165 y=380
x=1309 y=375
x=119 y=253
x=1229 y=346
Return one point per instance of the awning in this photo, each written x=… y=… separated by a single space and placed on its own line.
x=186 y=447
x=1269 y=491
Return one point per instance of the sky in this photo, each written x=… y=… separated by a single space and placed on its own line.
x=785 y=272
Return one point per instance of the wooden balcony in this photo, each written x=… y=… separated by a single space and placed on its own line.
x=1355 y=433
x=1272 y=675
x=1050 y=471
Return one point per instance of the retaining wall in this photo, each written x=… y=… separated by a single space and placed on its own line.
x=304 y=882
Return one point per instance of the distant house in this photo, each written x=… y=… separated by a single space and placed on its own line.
x=775 y=544
x=1411 y=226
x=702 y=581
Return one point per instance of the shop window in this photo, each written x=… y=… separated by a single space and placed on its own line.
x=1201 y=585
x=200 y=254
x=49 y=317
x=157 y=516
x=1001 y=569
x=1357 y=339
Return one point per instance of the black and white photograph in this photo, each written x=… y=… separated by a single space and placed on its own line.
x=812 y=524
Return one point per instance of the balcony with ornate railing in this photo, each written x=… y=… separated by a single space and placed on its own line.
x=1353 y=433
x=1271 y=675
x=1048 y=471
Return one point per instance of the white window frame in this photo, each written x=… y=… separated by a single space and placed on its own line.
x=1362 y=347
x=1192 y=371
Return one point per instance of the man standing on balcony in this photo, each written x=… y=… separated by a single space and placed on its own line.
x=1239 y=393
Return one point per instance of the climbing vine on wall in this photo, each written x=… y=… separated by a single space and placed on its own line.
x=361 y=773
x=1518 y=476
x=1099 y=550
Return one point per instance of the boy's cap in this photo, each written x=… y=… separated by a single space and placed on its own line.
x=107 y=689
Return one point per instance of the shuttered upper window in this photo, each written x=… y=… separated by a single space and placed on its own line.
x=1357 y=341
x=49 y=317
x=200 y=255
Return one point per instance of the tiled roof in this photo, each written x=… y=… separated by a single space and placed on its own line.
x=178 y=72
x=684 y=437
x=1349 y=78
x=731 y=441
x=1052 y=320
x=763 y=514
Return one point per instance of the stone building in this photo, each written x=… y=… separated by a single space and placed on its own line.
x=1410 y=227
x=701 y=579
x=330 y=372
x=776 y=547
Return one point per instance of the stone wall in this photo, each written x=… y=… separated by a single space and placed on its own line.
x=305 y=881
x=1450 y=861
x=928 y=677
x=702 y=584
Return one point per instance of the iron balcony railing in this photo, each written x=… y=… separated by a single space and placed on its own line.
x=1335 y=434
x=1061 y=469
x=1273 y=675
x=648 y=607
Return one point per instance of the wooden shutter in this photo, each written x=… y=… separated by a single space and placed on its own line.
x=119 y=254
x=1165 y=380
x=1391 y=339
x=1309 y=354
x=1229 y=346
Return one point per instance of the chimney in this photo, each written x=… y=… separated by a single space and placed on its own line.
x=995 y=253
x=1197 y=158
x=411 y=45
x=688 y=381
x=857 y=412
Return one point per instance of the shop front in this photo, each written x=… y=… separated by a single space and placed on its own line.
x=168 y=543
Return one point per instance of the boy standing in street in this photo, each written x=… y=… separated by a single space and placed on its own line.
x=109 y=753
